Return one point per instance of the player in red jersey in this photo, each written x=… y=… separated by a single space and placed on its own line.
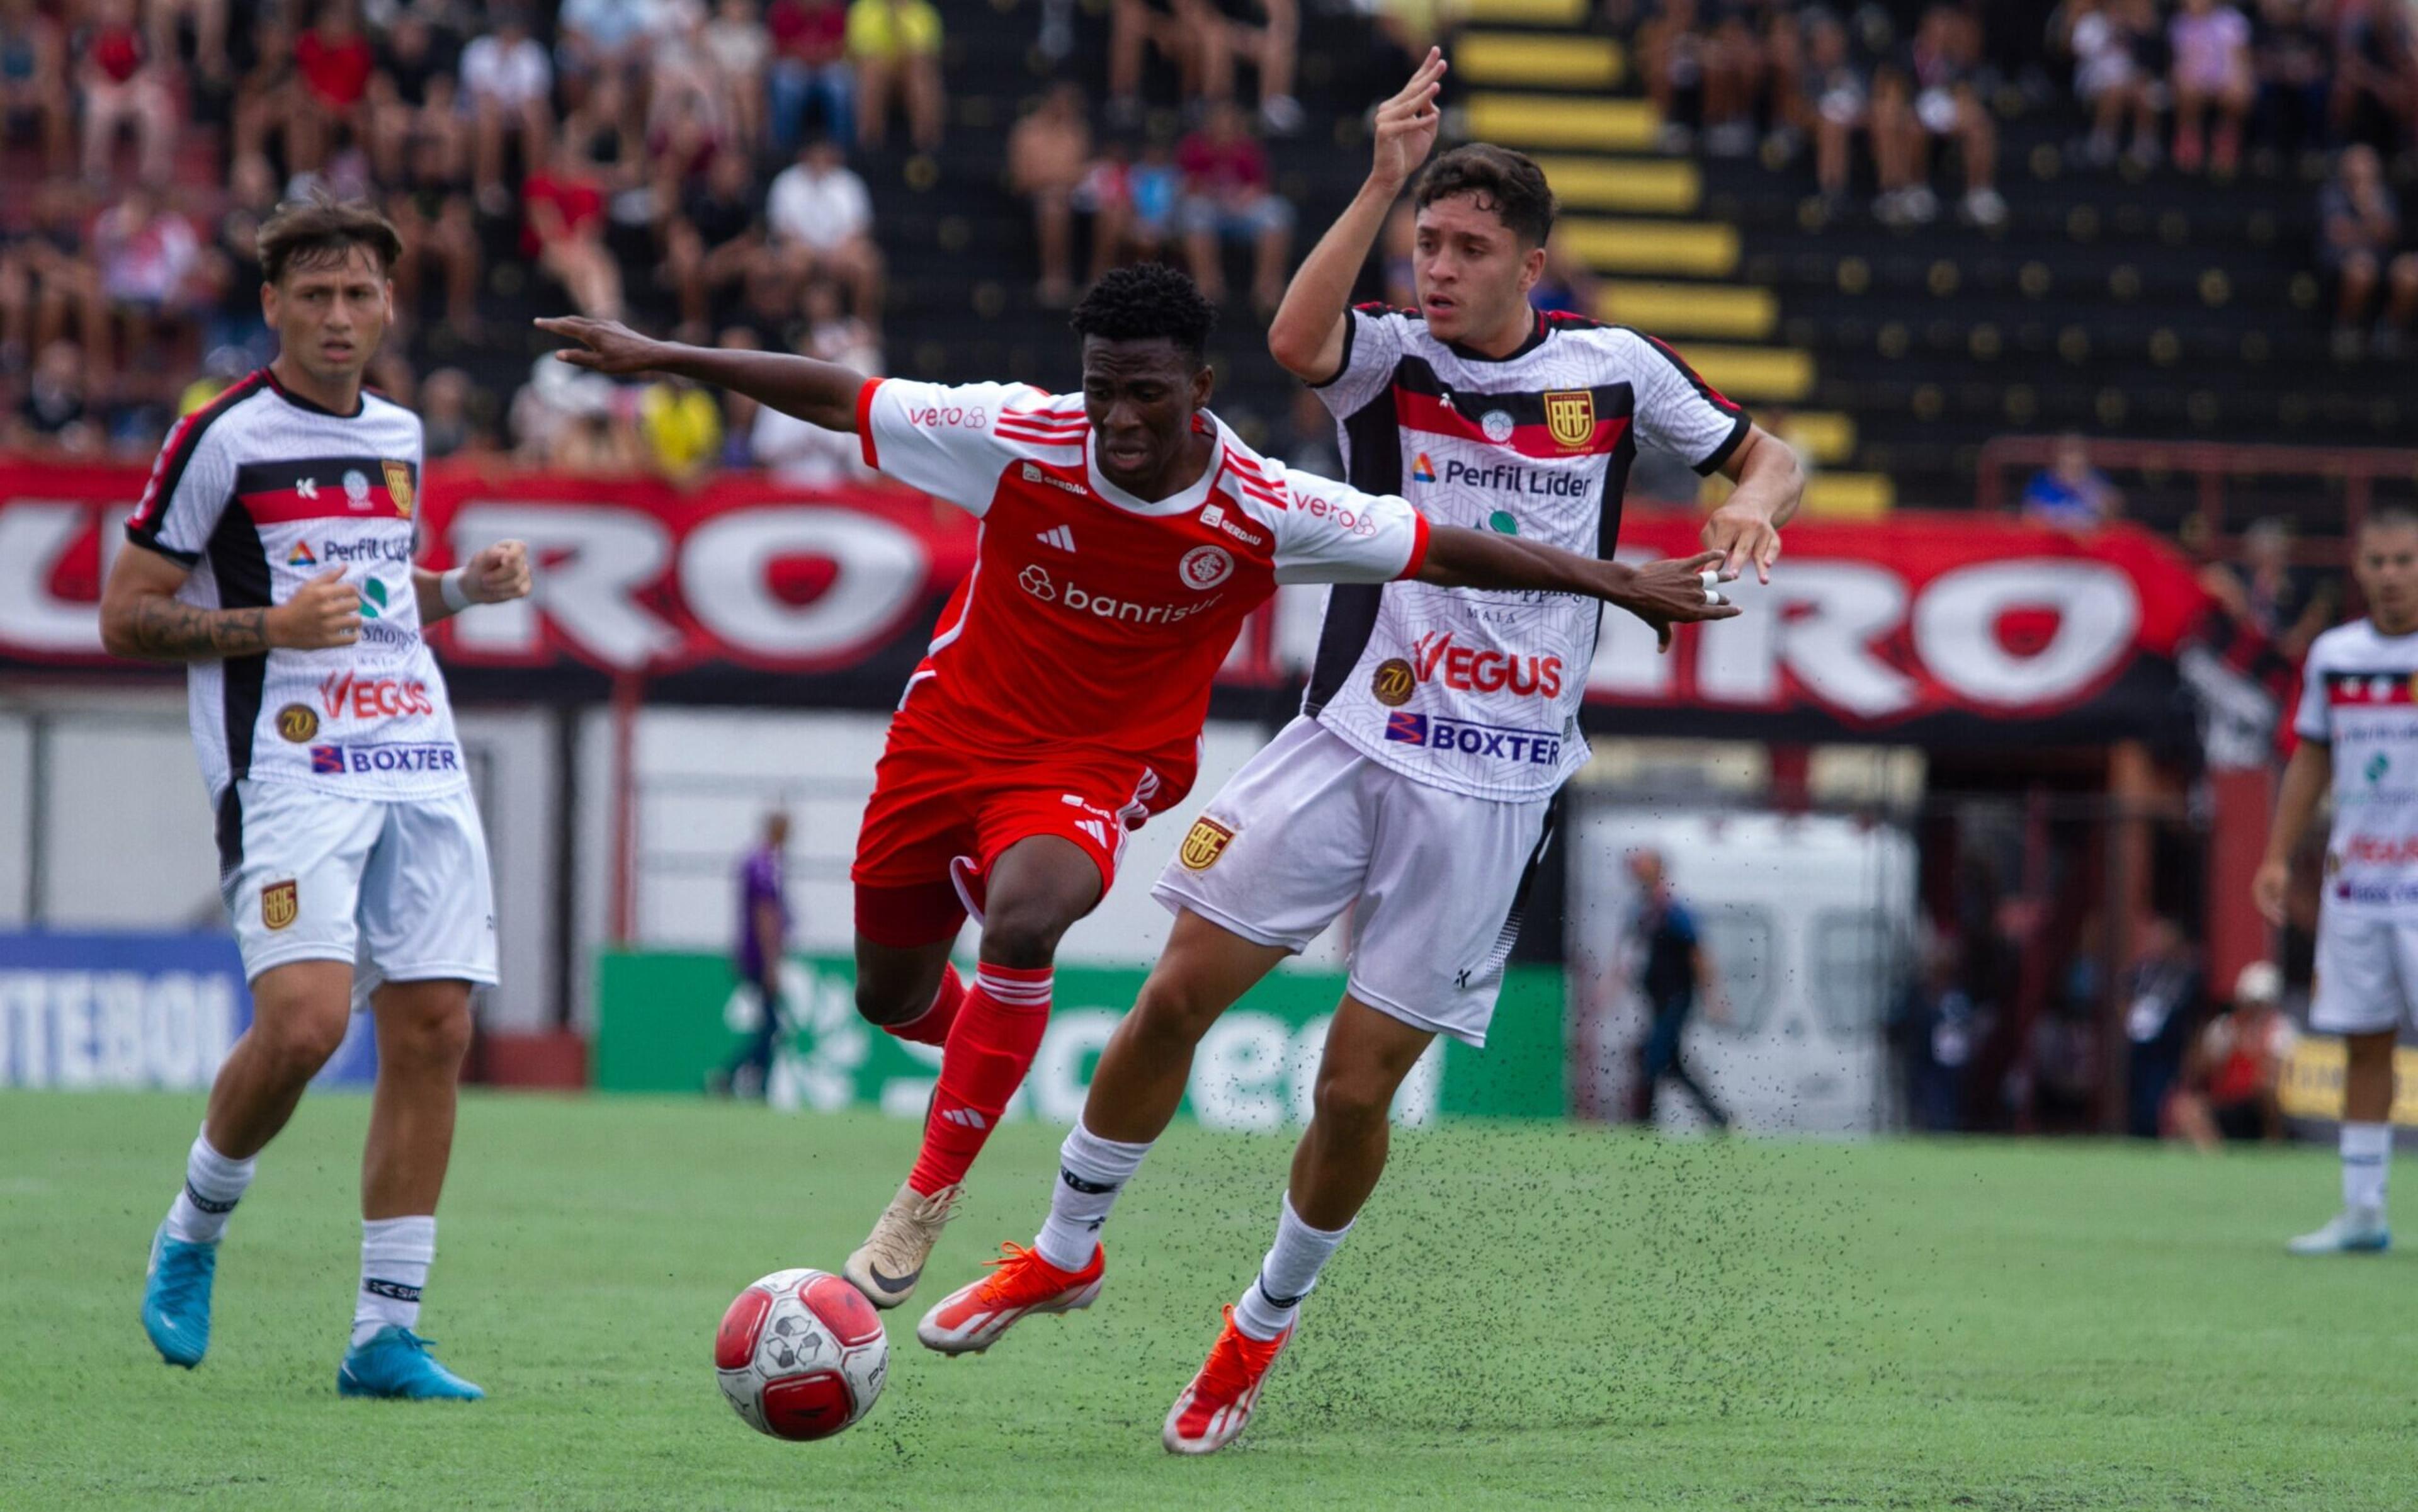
x=1126 y=534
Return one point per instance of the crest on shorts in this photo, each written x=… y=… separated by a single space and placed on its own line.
x=1394 y=682
x=398 y=487
x=1204 y=844
x=1569 y=416
x=279 y=903
x=297 y=723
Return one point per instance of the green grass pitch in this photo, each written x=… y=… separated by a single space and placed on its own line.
x=1543 y=1316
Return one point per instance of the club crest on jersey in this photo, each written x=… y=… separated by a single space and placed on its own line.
x=1394 y=683
x=1422 y=470
x=357 y=489
x=297 y=723
x=1569 y=416
x=279 y=903
x=398 y=487
x=1204 y=844
x=1205 y=567
x=1497 y=425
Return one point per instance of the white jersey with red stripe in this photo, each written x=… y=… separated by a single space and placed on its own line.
x=1094 y=618
x=2359 y=695
x=1468 y=689
x=257 y=493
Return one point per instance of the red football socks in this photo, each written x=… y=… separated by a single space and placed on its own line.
x=996 y=1034
x=931 y=1026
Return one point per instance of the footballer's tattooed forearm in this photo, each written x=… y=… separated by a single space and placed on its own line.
x=172 y=630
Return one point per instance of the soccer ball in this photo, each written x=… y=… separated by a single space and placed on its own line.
x=801 y=1354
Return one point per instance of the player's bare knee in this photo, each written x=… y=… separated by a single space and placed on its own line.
x=429 y=1035
x=298 y=1040
x=1174 y=1008
x=1025 y=938
x=1351 y=1099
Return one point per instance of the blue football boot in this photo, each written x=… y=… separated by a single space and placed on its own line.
x=177 y=1298
x=395 y=1363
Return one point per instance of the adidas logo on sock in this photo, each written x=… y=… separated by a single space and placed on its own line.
x=966 y=1117
x=1061 y=536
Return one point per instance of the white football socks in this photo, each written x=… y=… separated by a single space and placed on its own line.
x=1271 y=1302
x=1090 y=1172
x=2366 y=1156
x=395 y=1257
x=213 y=1186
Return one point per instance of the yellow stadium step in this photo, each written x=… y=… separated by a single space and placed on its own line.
x=1521 y=12
x=1536 y=60
x=1653 y=186
x=1763 y=374
x=1695 y=248
x=1824 y=435
x=1562 y=121
x=1729 y=311
x=1849 y=495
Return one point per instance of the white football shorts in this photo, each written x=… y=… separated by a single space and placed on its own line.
x=2368 y=972
x=1434 y=880
x=399 y=888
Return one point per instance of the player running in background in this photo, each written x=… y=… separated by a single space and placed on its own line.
x=1415 y=790
x=276 y=560
x=2358 y=726
x=1126 y=534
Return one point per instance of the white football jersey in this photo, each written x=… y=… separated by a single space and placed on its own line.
x=2359 y=694
x=1467 y=689
x=258 y=492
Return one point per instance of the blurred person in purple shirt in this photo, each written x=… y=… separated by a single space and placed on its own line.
x=763 y=939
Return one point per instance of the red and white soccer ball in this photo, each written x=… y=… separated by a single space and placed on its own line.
x=801 y=1354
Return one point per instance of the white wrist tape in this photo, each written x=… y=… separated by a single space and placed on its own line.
x=449 y=586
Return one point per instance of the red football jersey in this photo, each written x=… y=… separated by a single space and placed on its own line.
x=1092 y=618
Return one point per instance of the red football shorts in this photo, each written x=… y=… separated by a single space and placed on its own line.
x=943 y=811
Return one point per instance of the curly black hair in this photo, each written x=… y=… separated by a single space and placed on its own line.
x=1496 y=178
x=1147 y=300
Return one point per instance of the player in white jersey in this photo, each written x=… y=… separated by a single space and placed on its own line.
x=2358 y=727
x=1416 y=790
x=274 y=547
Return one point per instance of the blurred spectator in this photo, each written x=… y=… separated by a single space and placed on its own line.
x=822 y=221
x=1938 y=1028
x=264 y=94
x=48 y=288
x=564 y=232
x=2291 y=56
x=2376 y=73
x=208 y=22
x=739 y=411
x=1048 y=154
x=810 y=67
x=2109 y=40
x=712 y=241
x=53 y=417
x=1566 y=285
x=2236 y=1068
x=1941 y=98
x=1692 y=87
x=1837 y=94
x=334 y=63
x=1175 y=29
x=1132 y=205
x=2360 y=246
x=691 y=113
x=576 y=422
x=895 y=46
x=507 y=88
x=148 y=257
x=1310 y=444
x=2161 y=997
x=1268 y=39
x=1396 y=248
x=741 y=51
x=415 y=110
x=124 y=82
x=2212 y=76
x=810 y=455
x=680 y=423
x=450 y=430
x=2289 y=606
x=1227 y=199
x=833 y=335
x=2069 y=492
x=34 y=83
x=431 y=209
x=597 y=38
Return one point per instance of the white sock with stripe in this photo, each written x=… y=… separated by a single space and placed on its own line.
x=1270 y=1303
x=213 y=1186
x=396 y=1254
x=1090 y=1172
x=2366 y=1157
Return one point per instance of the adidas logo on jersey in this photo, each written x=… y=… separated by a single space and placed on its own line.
x=1033 y=474
x=1059 y=536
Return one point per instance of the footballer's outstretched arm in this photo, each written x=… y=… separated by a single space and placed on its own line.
x=1662 y=593
x=819 y=393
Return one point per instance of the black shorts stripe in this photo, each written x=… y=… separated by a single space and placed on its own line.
x=230 y=832
x=1375 y=447
x=1509 y=935
x=169 y=471
x=241 y=567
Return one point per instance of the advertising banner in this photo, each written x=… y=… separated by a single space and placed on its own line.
x=1923 y=628
x=666 y=1019
x=118 y=1011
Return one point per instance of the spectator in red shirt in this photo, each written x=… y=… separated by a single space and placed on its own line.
x=335 y=64
x=122 y=82
x=1227 y=198
x=563 y=231
x=810 y=67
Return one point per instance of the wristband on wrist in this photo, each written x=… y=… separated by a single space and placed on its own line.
x=450 y=586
